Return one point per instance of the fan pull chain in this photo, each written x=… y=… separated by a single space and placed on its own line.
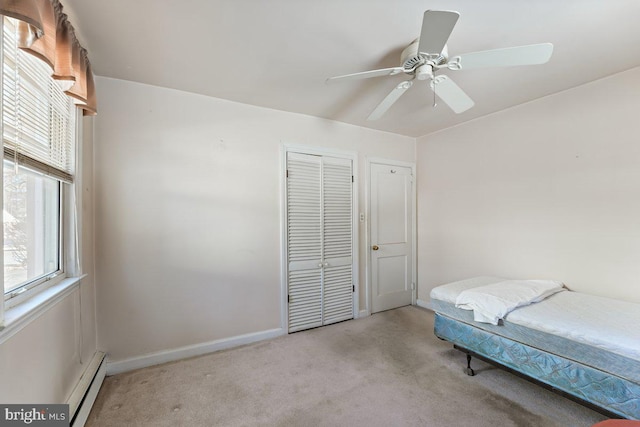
x=434 y=96
x=433 y=82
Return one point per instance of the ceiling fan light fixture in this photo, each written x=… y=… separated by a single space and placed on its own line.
x=424 y=72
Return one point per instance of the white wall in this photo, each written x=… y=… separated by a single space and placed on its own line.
x=188 y=213
x=43 y=362
x=548 y=189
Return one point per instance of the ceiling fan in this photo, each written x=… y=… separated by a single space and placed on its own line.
x=428 y=54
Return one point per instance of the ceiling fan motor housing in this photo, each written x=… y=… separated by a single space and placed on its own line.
x=411 y=59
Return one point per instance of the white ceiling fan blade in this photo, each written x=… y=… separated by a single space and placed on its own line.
x=389 y=100
x=507 y=57
x=451 y=94
x=437 y=26
x=368 y=74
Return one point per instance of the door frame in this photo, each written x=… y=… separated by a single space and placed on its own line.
x=286 y=148
x=414 y=234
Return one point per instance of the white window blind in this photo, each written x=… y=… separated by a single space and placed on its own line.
x=38 y=118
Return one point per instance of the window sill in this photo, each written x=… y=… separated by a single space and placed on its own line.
x=19 y=316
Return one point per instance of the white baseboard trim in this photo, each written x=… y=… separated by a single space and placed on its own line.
x=85 y=393
x=424 y=304
x=165 y=356
x=363 y=313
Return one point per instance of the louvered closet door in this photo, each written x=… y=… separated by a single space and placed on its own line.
x=337 y=233
x=304 y=228
x=319 y=227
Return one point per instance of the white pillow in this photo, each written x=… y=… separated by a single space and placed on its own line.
x=491 y=303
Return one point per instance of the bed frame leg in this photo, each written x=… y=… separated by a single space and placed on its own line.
x=468 y=369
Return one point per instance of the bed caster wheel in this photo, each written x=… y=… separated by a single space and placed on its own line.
x=468 y=369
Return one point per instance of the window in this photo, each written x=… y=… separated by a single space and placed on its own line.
x=38 y=130
x=31 y=220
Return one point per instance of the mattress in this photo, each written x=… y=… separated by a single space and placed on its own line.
x=615 y=395
x=598 y=332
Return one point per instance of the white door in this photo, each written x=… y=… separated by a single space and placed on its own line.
x=391 y=236
x=319 y=240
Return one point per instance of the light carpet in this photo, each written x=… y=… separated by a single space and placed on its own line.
x=387 y=369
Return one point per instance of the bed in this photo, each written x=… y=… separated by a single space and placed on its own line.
x=584 y=346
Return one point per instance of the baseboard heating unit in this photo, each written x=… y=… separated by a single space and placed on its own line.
x=86 y=391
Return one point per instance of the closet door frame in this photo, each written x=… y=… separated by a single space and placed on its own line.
x=317 y=151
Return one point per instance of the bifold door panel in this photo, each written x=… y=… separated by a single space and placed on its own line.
x=319 y=240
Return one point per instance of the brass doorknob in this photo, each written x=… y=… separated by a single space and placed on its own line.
x=375 y=247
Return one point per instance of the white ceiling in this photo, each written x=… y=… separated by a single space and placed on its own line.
x=278 y=53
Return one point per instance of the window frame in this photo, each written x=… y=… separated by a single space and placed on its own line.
x=67 y=213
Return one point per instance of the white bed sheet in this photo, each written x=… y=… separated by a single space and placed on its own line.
x=605 y=323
